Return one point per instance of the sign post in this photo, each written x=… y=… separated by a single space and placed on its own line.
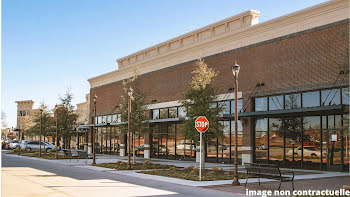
x=201 y=124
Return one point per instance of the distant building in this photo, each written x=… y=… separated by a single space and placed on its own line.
x=24 y=116
x=83 y=110
x=8 y=133
x=83 y=119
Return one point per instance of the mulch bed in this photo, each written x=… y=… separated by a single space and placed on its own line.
x=192 y=173
x=120 y=165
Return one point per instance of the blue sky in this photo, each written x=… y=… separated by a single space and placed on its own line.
x=49 y=46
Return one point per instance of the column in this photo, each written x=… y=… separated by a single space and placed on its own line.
x=247 y=124
x=89 y=140
x=247 y=150
x=147 y=147
x=122 y=146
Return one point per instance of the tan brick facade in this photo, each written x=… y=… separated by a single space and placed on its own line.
x=299 y=52
x=305 y=59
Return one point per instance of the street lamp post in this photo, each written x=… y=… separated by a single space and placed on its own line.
x=19 y=149
x=56 y=114
x=93 y=132
x=41 y=117
x=235 y=71
x=129 y=136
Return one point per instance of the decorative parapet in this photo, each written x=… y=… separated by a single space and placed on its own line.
x=207 y=33
x=237 y=31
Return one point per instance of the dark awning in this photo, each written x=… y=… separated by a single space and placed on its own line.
x=320 y=110
x=167 y=120
x=84 y=126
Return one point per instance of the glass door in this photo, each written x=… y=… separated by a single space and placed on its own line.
x=332 y=146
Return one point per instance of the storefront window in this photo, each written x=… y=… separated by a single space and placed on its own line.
x=182 y=113
x=275 y=140
x=292 y=101
x=225 y=105
x=275 y=124
x=312 y=141
x=261 y=140
x=155 y=114
x=109 y=119
x=261 y=104
x=115 y=118
x=275 y=102
x=171 y=141
x=311 y=99
x=180 y=142
x=261 y=146
x=334 y=121
x=345 y=95
x=311 y=122
x=224 y=141
x=261 y=124
x=233 y=106
x=173 y=112
x=239 y=127
x=330 y=97
x=163 y=113
x=139 y=141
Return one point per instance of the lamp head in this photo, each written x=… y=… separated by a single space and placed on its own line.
x=95 y=98
x=130 y=93
x=235 y=69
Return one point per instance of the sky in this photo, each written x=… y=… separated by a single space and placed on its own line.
x=50 y=46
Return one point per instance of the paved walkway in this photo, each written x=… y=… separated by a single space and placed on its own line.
x=300 y=174
x=25 y=176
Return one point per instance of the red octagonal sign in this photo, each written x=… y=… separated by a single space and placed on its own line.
x=201 y=124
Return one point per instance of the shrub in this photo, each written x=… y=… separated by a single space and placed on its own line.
x=190 y=168
x=195 y=171
x=221 y=171
x=120 y=162
x=215 y=170
x=172 y=168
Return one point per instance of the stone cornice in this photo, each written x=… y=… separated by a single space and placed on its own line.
x=315 y=16
x=202 y=35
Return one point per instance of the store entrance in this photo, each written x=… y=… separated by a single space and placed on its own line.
x=333 y=156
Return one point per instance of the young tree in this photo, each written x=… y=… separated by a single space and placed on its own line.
x=66 y=118
x=26 y=125
x=138 y=110
x=199 y=100
x=47 y=123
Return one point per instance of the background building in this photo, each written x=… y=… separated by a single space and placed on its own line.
x=25 y=114
x=83 y=110
x=293 y=88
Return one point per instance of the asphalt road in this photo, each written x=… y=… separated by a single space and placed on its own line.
x=81 y=175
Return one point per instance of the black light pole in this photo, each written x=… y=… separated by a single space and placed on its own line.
x=93 y=132
x=19 y=149
x=56 y=114
x=235 y=71
x=129 y=136
x=41 y=117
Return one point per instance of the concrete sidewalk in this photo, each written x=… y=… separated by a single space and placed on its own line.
x=299 y=174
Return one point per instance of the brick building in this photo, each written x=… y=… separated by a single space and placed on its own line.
x=293 y=90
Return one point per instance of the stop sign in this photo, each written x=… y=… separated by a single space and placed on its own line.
x=201 y=124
